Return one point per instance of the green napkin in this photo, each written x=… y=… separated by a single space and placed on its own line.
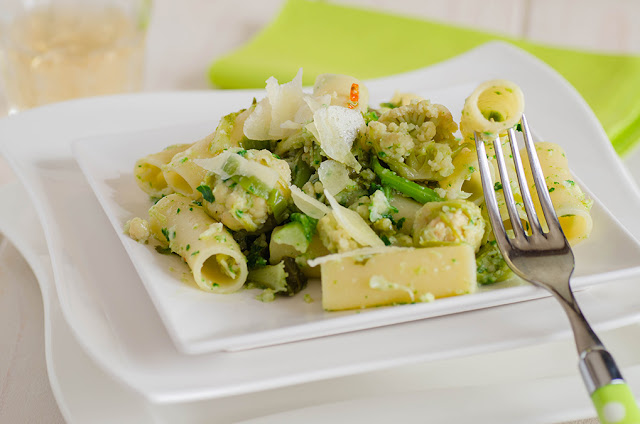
x=323 y=37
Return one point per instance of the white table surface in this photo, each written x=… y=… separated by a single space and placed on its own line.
x=186 y=35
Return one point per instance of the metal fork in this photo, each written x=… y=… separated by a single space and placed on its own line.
x=545 y=259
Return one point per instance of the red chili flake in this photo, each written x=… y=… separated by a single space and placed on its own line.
x=354 y=96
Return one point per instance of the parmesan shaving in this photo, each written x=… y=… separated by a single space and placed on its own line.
x=353 y=224
x=241 y=166
x=334 y=176
x=307 y=204
x=336 y=128
x=282 y=103
x=364 y=252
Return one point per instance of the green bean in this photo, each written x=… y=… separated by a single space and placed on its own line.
x=252 y=185
x=409 y=188
x=301 y=172
x=278 y=204
x=254 y=144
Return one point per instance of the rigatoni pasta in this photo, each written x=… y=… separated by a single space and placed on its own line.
x=491 y=109
x=215 y=259
x=184 y=175
x=148 y=170
x=399 y=276
x=569 y=201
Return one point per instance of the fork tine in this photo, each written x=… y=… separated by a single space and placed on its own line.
x=516 y=224
x=490 y=195
x=532 y=216
x=538 y=177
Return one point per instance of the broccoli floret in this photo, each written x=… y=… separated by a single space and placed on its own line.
x=491 y=266
x=416 y=140
x=284 y=278
x=380 y=207
x=448 y=222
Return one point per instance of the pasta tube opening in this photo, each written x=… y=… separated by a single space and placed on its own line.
x=576 y=226
x=178 y=183
x=148 y=170
x=218 y=273
x=492 y=108
x=150 y=177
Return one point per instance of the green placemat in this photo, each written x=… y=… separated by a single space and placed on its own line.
x=323 y=37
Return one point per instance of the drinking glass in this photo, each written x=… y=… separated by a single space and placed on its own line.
x=55 y=50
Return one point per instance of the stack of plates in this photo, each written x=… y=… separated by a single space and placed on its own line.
x=165 y=352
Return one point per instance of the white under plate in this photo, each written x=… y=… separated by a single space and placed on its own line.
x=110 y=313
x=201 y=322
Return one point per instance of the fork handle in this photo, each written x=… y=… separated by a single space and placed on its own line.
x=611 y=396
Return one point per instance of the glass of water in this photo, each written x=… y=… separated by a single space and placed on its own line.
x=55 y=50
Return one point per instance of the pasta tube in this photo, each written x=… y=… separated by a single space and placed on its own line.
x=215 y=259
x=148 y=170
x=353 y=281
x=183 y=175
x=570 y=203
x=491 y=109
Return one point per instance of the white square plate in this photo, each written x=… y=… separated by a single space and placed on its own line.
x=109 y=311
x=202 y=322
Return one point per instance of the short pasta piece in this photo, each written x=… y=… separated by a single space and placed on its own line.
x=569 y=201
x=408 y=275
x=183 y=175
x=148 y=170
x=491 y=109
x=215 y=259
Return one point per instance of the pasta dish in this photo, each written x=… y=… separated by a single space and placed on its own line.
x=383 y=204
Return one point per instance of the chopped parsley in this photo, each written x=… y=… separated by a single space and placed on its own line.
x=552 y=189
x=497 y=186
x=165 y=233
x=206 y=193
x=385 y=240
x=400 y=223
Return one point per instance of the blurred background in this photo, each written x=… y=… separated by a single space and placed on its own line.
x=185 y=36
